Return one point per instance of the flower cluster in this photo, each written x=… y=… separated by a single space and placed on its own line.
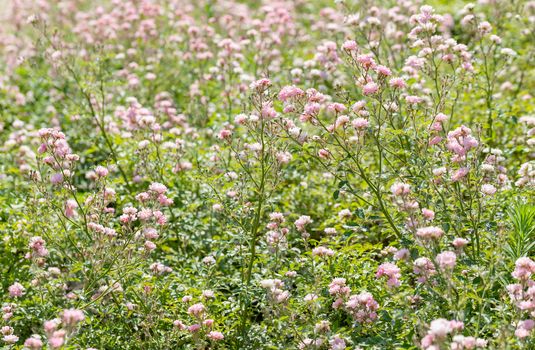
x=273 y=174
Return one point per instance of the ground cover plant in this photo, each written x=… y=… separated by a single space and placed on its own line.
x=276 y=174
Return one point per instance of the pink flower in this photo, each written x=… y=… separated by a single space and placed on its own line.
x=440 y=328
x=10 y=338
x=427 y=342
x=143 y=197
x=439 y=171
x=370 y=88
x=208 y=294
x=268 y=112
x=398 y=83
x=158 y=188
x=336 y=107
x=56 y=178
x=402 y=254
x=391 y=271
x=344 y=213
x=446 y=260
x=283 y=157
x=413 y=99
x=360 y=123
x=400 y=189
x=460 y=141
x=71 y=317
x=101 y=171
x=324 y=154
x=382 y=70
x=144 y=214
x=33 y=343
x=436 y=126
x=488 y=189
x=56 y=342
x=312 y=108
x=37 y=245
x=261 y=84
x=70 y=208
x=196 y=310
x=149 y=246
x=341 y=121
x=179 y=324
x=524 y=328
x=50 y=326
x=459 y=242
x=240 y=119
x=366 y=61
x=310 y=298
x=151 y=233
x=441 y=117
x=428 y=214
x=362 y=307
x=302 y=222
x=430 y=232
x=322 y=252
x=350 y=45
x=358 y=106
x=6 y=330
x=459 y=174
x=338 y=303
x=290 y=274
x=224 y=134
x=194 y=328
x=160 y=217
x=424 y=268
x=337 y=343
x=435 y=140
x=524 y=268
x=42 y=148
x=338 y=287
x=16 y=290
x=289 y=92
x=215 y=335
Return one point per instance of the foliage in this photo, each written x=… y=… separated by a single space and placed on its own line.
x=273 y=174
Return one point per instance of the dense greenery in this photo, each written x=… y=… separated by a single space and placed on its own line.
x=273 y=174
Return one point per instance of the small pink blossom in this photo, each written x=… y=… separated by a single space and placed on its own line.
x=430 y=232
x=459 y=174
x=215 y=335
x=459 y=242
x=488 y=189
x=391 y=271
x=398 y=83
x=428 y=214
x=370 y=88
x=101 y=171
x=224 y=134
x=56 y=178
x=71 y=317
x=197 y=310
x=33 y=343
x=302 y=222
x=360 y=123
x=16 y=290
x=446 y=260
x=289 y=92
x=383 y=70
x=350 y=45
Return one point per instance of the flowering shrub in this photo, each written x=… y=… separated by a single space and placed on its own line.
x=276 y=174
